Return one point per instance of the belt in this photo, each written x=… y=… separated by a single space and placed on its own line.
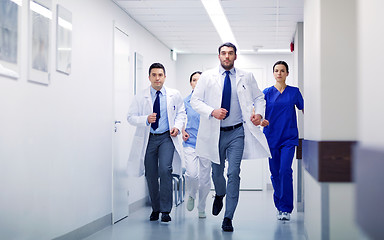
x=225 y=129
x=158 y=134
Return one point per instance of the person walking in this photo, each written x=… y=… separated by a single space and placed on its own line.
x=198 y=169
x=158 y=113
x=280 y=128
x=231 y=107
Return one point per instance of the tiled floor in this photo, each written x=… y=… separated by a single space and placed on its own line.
x=255 y=218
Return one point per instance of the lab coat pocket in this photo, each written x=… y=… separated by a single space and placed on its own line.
x=246 y=94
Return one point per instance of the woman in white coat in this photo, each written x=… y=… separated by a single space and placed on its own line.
x=159 y=115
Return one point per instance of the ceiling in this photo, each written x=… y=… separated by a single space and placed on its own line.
x=184 y=25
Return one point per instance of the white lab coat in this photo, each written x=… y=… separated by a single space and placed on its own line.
x=139 y=110
x=207 y=96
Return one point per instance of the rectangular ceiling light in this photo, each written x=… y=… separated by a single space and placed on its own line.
x=219 y=20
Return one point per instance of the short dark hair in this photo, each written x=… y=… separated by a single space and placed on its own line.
x=197 y=72
x=228 y=44
x=156 y=65
x=281 y=63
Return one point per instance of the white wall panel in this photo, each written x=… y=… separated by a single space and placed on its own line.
x=56 y=140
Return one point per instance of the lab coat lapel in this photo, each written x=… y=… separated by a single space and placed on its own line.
x=239 y=77
x=148 y=100
x=218 y=81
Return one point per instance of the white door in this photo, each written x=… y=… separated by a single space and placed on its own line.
x=123 y=93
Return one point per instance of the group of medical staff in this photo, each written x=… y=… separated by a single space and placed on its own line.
x=219 y=121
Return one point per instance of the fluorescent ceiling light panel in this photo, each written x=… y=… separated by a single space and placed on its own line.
x=219 y=20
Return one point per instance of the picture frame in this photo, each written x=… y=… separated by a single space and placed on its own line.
x=40 y=17
x=10 y=29
x=63 y=40
x=139 y=72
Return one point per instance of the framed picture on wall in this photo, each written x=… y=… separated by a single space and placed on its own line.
x=63 y=40
x=40 y=17
x=10 y=22
x=139 y=73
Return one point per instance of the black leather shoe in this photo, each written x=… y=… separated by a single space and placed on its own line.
x=217 y=205
x=165 y=217
x=154 y=216
x=227 y=225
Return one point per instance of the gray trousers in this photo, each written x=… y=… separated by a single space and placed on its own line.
x=231 y=147
x=158 y=163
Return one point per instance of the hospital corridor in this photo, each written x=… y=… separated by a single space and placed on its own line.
x=78 y=130
x=255 y=219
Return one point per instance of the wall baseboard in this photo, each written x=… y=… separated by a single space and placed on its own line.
x=87 y=230
x=99 y=224
x=133 y=207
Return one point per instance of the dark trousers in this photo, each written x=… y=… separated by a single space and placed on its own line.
x=231 y=147
x=158 y=163
x=280 y=166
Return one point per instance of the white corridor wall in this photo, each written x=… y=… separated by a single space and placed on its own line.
x=56 y=140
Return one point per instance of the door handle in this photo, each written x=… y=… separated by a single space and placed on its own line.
x=116 y=122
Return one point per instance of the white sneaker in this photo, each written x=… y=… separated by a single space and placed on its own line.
x=279 y=215
x=285 y=216
x=202 y=214
x=190 y=203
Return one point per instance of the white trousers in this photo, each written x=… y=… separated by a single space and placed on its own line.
x=197 y=176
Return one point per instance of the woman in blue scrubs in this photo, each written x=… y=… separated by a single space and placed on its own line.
x=280 y=128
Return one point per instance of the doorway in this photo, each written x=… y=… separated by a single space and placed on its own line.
x=122 y=131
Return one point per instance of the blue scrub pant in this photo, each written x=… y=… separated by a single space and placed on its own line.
x=280 y=166
x=231 y=147
x=158 y=163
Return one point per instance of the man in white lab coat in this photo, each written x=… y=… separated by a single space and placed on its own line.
x=231 y=107
x=159 y=114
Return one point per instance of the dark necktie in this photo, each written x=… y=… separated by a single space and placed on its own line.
x=156 y=109
x=226 y=99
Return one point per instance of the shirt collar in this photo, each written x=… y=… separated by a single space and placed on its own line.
x=153 y=91
x=222 y=70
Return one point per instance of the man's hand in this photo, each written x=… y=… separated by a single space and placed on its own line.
x=219 y=113
x=174 y=132
x=185 y=135
x=264 y=123
x=256 y=119
x=151 y=118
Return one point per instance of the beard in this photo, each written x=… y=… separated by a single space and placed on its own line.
x=227 y=66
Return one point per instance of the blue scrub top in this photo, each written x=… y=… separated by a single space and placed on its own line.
x=281 y=113
x=192 y=123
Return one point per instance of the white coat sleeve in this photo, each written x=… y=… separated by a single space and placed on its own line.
x=136 y=115
x=181 y=114
x=198 y=99
x=258 y=97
